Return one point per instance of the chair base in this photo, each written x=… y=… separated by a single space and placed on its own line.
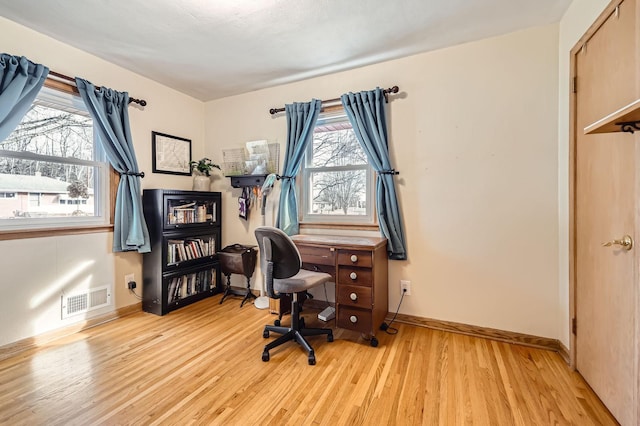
x=296 y=332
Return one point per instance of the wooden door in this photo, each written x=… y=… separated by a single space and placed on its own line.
x=605 y=209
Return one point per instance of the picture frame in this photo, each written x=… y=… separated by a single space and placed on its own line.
x=242 y=208
x=170 y=154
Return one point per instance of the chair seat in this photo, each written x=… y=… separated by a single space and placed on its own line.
x=301 y=281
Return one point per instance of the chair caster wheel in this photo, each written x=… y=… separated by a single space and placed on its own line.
x=265 y=356
x=329 y=337
x=374 y=342
x=265 y=334
x=312 y=359
x=276 y=323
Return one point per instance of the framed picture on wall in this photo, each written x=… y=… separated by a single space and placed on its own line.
x=170 y=154
x=242 y=208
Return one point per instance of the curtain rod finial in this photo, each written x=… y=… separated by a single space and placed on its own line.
x=140 y=102
x=394 y=89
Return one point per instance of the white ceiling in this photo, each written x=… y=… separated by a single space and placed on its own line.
x=211 y=49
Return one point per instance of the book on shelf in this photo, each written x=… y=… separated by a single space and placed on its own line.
x=184 y=206
x=189 y=213
x=201 y=213
x=171 y=290
x=179 y=250
x=177 y=293
x=189 y=285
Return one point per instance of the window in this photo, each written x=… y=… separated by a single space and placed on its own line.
x=34 y=199
x=336 y=175
x=53 y=167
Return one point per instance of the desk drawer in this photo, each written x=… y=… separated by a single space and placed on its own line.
x=349 y=275
x=354 y=296
x=354 y=319
x=355 y=258
x=317 y=255
x=329 y=269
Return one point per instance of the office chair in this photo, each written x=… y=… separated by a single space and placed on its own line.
x=280 y=262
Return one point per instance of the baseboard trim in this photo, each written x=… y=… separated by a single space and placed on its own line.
x=564 y=353
x=12 y=349
x=555 y=345
x=486 y=333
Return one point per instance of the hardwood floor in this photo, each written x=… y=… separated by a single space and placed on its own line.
x=202 y=365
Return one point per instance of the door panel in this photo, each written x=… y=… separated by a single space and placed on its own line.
x=606 y=73
x=605 y=203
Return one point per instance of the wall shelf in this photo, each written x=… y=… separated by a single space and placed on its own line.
x=241 y=181
x=626 y=119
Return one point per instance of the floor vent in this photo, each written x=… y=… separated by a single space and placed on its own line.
x=90 y=299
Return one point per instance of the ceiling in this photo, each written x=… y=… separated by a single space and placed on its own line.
x=211 y=49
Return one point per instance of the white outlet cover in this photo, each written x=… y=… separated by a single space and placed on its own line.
x=127 y=279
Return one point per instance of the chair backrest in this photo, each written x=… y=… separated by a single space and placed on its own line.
x=284 y=253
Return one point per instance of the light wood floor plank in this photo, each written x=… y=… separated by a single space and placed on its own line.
x=202 y=365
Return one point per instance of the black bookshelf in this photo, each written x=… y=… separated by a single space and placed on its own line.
x=185 y=233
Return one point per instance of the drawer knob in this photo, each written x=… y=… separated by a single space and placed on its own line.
x=353 y=319
x=353 y=275
x=354 y=258
x=353 y=296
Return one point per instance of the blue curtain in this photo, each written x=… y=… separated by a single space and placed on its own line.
x=301 y=120
x=109 y=110
x=20 y=82
x=366 y=114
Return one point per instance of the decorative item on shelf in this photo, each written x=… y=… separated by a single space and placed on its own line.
x=248 y=166
x=256 y=158
x=201 y=171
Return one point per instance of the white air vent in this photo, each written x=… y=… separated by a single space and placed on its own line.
x=90 y=299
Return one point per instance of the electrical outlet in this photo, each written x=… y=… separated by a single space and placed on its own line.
x=127 y=279
x=405 y=287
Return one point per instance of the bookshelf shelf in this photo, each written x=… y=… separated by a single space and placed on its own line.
x=182 y=267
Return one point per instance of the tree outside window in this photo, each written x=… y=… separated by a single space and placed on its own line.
x=53 y=165
x=336 y=175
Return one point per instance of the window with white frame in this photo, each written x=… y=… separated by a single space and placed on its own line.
x=336 y=184
x=54 y=167
x=34 y=199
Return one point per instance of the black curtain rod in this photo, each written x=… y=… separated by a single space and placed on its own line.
x=140 y=102
x=386 y=92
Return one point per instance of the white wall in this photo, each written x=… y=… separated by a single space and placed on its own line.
x=36 y=271
x=483 y=182
x=474 y=136
x=575 y=22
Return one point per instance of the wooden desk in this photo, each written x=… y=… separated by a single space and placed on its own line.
x=359 y=266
